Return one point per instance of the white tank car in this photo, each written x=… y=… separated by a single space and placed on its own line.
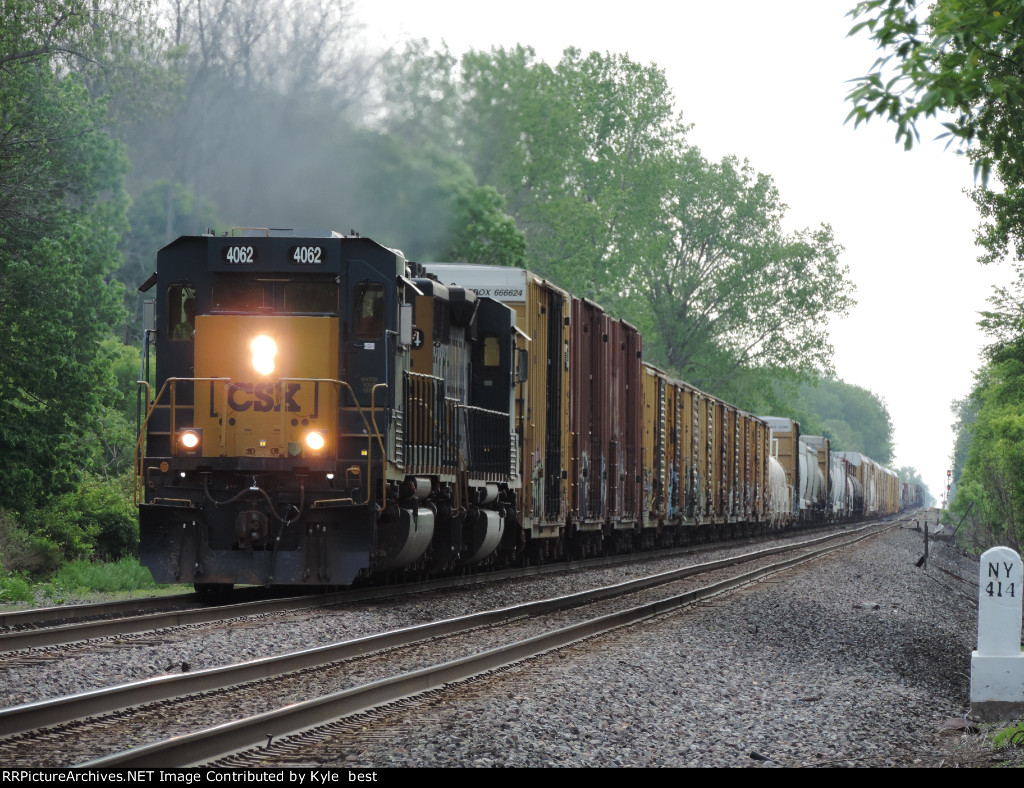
x=812 y=483
x=780 y=495
x=843 y=486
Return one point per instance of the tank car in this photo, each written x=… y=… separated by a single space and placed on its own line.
x=320 y=413
x=785 y=448
x=845 y=495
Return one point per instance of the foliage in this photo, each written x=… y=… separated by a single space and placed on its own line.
x=851 y=417
x=990 y=479
x=909 y=474
x=423 y=200
x=107 y=506
x=79 y=579
x=481 y=232
x=965 y=60
x=1004 y=737
x=727 y=288
x=60 y=61
x=854 y=418
x=571 y=148
x=125 y=574
x=109 y=439
x=591 y=158
x=159 y=214
x=98 y=520
x=14 y=588
x=24 y=553
x=62 y=209
x=57 y=308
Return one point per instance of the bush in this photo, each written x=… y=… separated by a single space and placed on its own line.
x=83 y=576
x=24 y=552
x=108 y=508
x=98 y=520
x=15 y=589
x=58 y=523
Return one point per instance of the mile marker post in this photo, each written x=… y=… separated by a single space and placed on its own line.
x=997 y=666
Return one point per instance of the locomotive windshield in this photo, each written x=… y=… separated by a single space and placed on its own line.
x=302 y=297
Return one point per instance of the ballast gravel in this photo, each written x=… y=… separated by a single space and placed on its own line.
x=857 y=661
x=82 y=667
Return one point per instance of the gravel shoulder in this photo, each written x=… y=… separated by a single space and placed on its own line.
x=856 y=662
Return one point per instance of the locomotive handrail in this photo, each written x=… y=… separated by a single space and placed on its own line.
x=137 y=460
x=359 y=408
x=380 y=441
x=151 y=406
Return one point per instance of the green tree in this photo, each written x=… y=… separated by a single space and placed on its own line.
x=591 y=157
x=62 y=210
x=162 y=212
x=481 y=232
x=571 y=148
x=851 y=417
x=910 y=475
x=988 y=471
x=579 y=151
x=727 y=288
x=961 y=61
x=855 y=418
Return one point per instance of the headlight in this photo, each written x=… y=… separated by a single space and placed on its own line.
x=190 y=440
x=316 y=439
x=264 y=349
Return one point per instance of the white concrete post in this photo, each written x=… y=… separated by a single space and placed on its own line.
x=997 y=667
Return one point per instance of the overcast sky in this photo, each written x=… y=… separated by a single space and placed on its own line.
x=767 y=81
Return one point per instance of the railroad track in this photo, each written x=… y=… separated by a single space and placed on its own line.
x=41 y=628
x=296 y=691
x=36 y=617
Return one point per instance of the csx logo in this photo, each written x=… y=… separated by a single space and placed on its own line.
x=263 y=397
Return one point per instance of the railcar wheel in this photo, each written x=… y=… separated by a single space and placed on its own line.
x=214 y=593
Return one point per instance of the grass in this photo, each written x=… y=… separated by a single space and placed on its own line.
x=81 y=581
x=1003 y=736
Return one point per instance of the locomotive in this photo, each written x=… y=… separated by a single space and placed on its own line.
x=324 y=411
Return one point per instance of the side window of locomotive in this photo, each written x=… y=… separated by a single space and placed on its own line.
x=181 y=312
x=235 y=296
x=317 y=298
x=368 y=310
x=487 y=358
x=492 y=352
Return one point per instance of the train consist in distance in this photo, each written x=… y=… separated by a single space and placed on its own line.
x=325 y=411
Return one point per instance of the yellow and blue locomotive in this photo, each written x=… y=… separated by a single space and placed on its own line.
x=320 y=413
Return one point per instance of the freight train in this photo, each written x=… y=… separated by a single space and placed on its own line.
x=324 y=411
